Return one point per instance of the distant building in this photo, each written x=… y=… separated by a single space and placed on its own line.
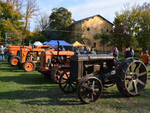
x=88 y=27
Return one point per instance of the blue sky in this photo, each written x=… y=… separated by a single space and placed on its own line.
x=85 y=8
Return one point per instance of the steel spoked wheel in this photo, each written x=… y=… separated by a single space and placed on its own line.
x=89 y=90
x=55 y=74
x=14 y=61
x=135 y=79
x=29 y=66
x=67 y=83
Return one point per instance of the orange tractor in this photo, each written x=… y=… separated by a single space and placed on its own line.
x=30 y=57
x=53 y=62
x=14 y=54
x=12 y=51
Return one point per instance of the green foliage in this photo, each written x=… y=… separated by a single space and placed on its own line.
x=132 y=27
x=10 y=23
x=59 y=22
x=60 y=18
x=97 y=36
x=35 y=36
x=104 y=38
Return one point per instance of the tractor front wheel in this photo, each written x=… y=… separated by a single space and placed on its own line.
x=89 y=89
x=29 y=66
x=66 y=83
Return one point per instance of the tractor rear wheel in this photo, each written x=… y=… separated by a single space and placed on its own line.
x=29 y=66
x=89 y=89
x=14 y=61
x=135 y=78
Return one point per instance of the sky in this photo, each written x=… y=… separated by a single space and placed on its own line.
x=85 y=8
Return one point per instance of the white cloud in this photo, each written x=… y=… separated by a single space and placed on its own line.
x=87 y=8
x=106 y=8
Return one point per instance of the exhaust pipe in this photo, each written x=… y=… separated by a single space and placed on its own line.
x=58 y=46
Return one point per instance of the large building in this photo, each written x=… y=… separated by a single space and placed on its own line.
x=88 y=27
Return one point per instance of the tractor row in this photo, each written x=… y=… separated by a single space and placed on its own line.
x=86 y=74
x=51 y=61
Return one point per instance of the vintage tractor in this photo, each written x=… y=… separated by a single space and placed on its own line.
x=12 y=51
x=30 y=57
x=53 y=62
x=89 y=74
x=14 y=54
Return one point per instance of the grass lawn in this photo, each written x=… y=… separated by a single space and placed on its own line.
x=29 y=92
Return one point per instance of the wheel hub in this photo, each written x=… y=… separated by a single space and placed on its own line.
x=134 y=77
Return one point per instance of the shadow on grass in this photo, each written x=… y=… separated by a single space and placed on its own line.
x=6 y=67
x=51 y=95
x=33 y=96
x=10 y=68
x=25 y=79
x=109 y=94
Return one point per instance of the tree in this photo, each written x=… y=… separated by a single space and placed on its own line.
x=143 y=36
x=121 y=37
x=17 y=4
x=59 y=22
x=35 y=36
x=132 y=26
x=10 y=24
x=104 y=39
x=31 y=8
x=43 y=21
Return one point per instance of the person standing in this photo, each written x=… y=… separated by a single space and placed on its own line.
x=93 y=51
x=149 y=59
x=145 y=57
x=132 y=52
x=115 y=52
x=2 y=53
x=129 y=53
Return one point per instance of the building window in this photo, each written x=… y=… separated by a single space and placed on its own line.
x=88 y=29
x=94 y=44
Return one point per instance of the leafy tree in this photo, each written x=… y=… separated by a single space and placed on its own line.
x=59 y=22
x=121 y=37
x=143 y=36
x=35 y=36
x=10 y=24
x=132 y=26
x=17 y=4
x=104 y=39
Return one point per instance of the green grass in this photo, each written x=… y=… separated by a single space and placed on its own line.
x=29 y=92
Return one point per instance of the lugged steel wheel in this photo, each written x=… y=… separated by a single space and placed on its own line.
x=55 y=74
x=135 y=75
x=67 y=83
x=14 y=61
x=29 y=66
x=89 y=89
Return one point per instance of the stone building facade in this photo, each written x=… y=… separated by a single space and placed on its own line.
x=88 y=27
